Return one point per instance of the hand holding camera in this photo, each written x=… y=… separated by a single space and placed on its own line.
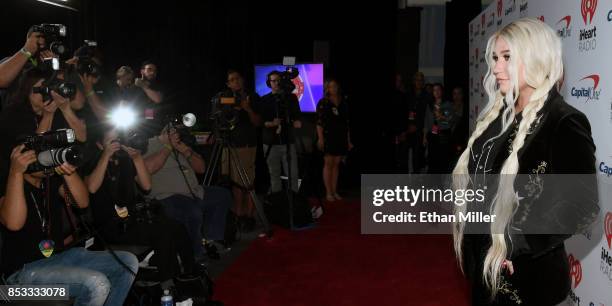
x=110 y=147
x=132 y=153
x=20 y=160
x=31 y=44
x=141 y=82
x=61 y=102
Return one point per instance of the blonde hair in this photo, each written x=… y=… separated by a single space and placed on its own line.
x=535 y=45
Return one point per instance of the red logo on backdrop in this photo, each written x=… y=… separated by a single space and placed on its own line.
x=567 y=20
x=608 y=229
x=541 y=18
x=482 y=22
x=499 y=7
x=575 y=270
x=595 y=79
x=476 y=53
x=299 y=87
x=587 y=8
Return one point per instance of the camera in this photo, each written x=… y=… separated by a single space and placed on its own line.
x=133 y=139
x=64 y=89
x=53 y=36
x=225 y=116
x=182 y=125
x=286 y=79
x=85 y=63
x=52 y=149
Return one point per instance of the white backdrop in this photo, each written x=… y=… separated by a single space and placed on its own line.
x=585 y=27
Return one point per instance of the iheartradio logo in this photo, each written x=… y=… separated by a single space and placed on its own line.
x=608 y=228
x=587 y=9
x=575 y=270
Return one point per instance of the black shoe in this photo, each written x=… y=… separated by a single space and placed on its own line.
x=211 y=251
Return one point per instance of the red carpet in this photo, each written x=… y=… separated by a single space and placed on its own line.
x=333 y=264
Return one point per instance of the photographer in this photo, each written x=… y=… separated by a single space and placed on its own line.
x=32 y=51
x=244 y=138
x=33 y=249
x=148 y=82
x=135 y=96
x=173 y=166
x=112 y=187
x=31 y=113
x=277 y=132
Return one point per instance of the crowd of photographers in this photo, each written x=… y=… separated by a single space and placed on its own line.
x=68 y=173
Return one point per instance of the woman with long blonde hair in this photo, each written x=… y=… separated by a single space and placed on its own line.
x=525 y=128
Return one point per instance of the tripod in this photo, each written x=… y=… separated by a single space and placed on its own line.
x=221 y=146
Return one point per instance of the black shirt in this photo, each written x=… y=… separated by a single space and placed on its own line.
x=118 y=188
x=271 y=109
x=22 y=246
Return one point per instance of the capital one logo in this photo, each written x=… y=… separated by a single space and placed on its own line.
x=587 y=9
x=575 y=270
x=587 y=92
x=608 y=228
x=500 y=7
x=563 y=26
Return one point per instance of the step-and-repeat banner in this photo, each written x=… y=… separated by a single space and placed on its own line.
x=585 y=28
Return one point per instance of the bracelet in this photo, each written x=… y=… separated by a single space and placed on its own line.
x=167 y=146
x=26 y=52
x=91 y=93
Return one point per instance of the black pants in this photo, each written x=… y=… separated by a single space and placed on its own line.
x=167 y=237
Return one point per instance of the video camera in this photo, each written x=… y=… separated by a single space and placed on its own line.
x=286 y=79
x=54 y=33
x=224 y=114
x=52 y=149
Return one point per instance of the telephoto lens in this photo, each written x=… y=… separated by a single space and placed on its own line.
x=72 y=155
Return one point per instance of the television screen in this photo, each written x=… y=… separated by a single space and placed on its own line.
x=308 y=85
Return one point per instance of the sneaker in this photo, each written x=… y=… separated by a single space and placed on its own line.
x=316 y=212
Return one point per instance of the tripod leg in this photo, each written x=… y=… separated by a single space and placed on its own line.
x=246 y=182
x=214 y=160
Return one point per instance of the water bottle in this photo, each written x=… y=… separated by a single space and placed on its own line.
x=166 y=300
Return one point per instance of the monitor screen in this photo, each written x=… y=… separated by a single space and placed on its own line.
x=308 y=85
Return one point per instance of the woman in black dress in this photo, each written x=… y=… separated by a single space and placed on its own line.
x=333 y=134
x=526 y=128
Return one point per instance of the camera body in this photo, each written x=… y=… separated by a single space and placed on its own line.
x=53 y=36
x=286 y=79
x=182 y=125
x=85 y=63
x=64 y=89
x=225 y=115
x=52 y=149
x=134 y=139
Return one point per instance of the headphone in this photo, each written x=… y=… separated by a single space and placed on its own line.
x=269 y=75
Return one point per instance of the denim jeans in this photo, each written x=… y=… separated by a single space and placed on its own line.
x=211 y=212
x=93 y=278
x=277 y=158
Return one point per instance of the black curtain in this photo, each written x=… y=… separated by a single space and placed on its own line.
x=459 y=13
